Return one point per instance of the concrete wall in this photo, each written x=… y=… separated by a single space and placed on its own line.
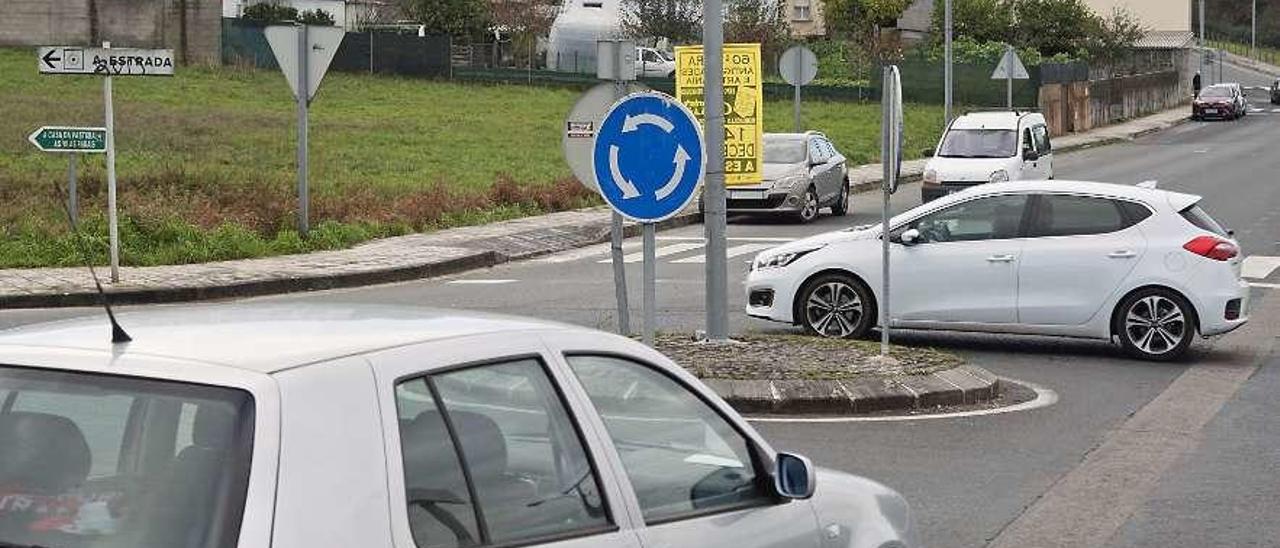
x=1081 y=106
x=1155 y=14
x=192 y=28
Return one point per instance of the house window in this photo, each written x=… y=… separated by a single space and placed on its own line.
x=801 y=10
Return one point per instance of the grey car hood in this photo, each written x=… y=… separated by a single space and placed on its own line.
x=773 y=172
x=855 y=512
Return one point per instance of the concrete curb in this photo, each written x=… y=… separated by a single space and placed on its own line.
x=966 y=384
x=489 y=252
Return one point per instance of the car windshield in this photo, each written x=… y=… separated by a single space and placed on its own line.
x=978 y=143
x=91 y=461
x=1215 y=93
x=784 y=150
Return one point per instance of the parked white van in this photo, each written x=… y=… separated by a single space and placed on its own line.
x=989 y=147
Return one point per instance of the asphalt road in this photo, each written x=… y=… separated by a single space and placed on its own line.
x=1010 y=477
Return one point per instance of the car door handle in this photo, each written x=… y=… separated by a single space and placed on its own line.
x=1000 y=259
x=1124 y=254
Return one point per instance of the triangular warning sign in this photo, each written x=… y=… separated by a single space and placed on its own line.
x=322 y=44
x=1010 y=62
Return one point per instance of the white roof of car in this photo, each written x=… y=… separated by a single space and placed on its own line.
x=267 y=337
x=989 y=120
x=1176 y=200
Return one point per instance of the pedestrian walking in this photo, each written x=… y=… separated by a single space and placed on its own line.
x=1195 y=84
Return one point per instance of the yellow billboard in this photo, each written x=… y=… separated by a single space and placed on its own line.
x=743 y=106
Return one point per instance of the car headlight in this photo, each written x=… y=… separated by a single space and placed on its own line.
x=931 y=176
x=786 y=183
x=999 y=176
x=779 y=260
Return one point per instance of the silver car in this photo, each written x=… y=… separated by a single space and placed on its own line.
x=302 y=426
x=803 y=173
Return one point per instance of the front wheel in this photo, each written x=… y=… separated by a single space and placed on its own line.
x=836 y=306
x=841 y=207
x=1155 y=324
x=809 y=209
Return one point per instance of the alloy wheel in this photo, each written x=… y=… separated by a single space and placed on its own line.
x=810 y=210
x=1155 y=325
x=834 y=309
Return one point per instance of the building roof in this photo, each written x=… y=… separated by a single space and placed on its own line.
x=1166 y=39
x=266 y=337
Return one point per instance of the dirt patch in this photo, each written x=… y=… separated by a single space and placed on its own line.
x=798 y=357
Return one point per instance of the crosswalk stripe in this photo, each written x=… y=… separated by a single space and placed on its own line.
x=662 y=251
x=1259 y=266
x=731 y=239
x=732 y=252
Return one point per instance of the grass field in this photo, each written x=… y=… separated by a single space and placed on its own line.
x=206 y=159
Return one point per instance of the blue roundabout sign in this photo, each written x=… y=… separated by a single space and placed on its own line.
x=648 y=157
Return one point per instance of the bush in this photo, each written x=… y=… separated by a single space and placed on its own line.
x=267 y=13
x=316 y=17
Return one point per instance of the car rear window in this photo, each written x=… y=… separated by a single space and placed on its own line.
x=89 y=459
x=1200 y=219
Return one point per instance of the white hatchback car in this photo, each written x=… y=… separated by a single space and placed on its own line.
x=1091 y=260
x=303 y=427
x=988 y=147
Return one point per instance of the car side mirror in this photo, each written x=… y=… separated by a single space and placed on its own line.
x=794 y=477
x=910 y=237
x=1030 y=155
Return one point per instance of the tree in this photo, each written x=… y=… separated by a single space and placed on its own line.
x=524 y=16
x=978 y=20
x=458 y=18
x=1113 y=37
x=316 y=17
x=1054 y=26
x=861 y=20
x=755 y=21
x=679 y=21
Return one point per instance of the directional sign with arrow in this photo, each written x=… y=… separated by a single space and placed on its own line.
x=649 y=157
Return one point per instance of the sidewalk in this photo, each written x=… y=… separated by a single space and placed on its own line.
x=408 y=257
x=1256 y=66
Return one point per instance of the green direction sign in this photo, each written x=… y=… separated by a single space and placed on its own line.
x=69 y=139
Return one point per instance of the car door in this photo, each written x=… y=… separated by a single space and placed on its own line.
x=1030 y=168
x=1079 y=251
x=1044 y=147
x=696 y=474
x=834 y=176
x=483 y=449
x=819 y=168
x=964 y=267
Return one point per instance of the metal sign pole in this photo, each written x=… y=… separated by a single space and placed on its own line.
x=1008 y=55
x=714 y=216
x=304 y=90
x=72 y=207
x=888 y=153
x=946 y=71
x=650 y=281
x=1202 y=40
x=799 y=71
x=615 y=227
x=113 y=228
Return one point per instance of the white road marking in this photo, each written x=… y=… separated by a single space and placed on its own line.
x=1259 y=266
x=482 y=282
x=1264 y=286
x=662 y=251
x=1044 y=398
x=732 y=239
x=731 y=253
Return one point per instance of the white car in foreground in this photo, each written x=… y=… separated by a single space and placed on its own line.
x=1075 y=259
x=306 y=426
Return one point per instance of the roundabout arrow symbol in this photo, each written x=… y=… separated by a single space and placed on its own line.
x=632 y=123
x=682 y=158
x=628 y=188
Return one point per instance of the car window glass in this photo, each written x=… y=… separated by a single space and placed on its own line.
x=990 y=218
x=98 y=460
x=101 y=418
x=1134 y=212
x=816 y=154
x=525 y=459
x=441 y=510
x=681 y=456
x=784 y=151
x=1199 y=218
x=829 y=148
x=1042 y=139
x=1028 y=142
x=978 y=143
x=1076 y=215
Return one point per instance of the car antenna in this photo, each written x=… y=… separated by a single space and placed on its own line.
x=118 y=334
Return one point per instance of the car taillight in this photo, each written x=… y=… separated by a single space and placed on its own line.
x=1213 y=248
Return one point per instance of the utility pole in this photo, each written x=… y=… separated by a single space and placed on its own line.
x=1202 y=40
x=946 y=71
x=1253 y=39
x=714 y=215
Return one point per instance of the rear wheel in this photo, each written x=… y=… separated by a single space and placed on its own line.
x=836 y=306
x=841 y=207
x=1155 y=324
x=809 y=209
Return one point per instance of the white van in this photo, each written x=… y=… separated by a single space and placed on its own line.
x=654 y=63
x=989 y=147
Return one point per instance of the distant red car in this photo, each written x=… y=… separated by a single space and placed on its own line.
x=1224 y=101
